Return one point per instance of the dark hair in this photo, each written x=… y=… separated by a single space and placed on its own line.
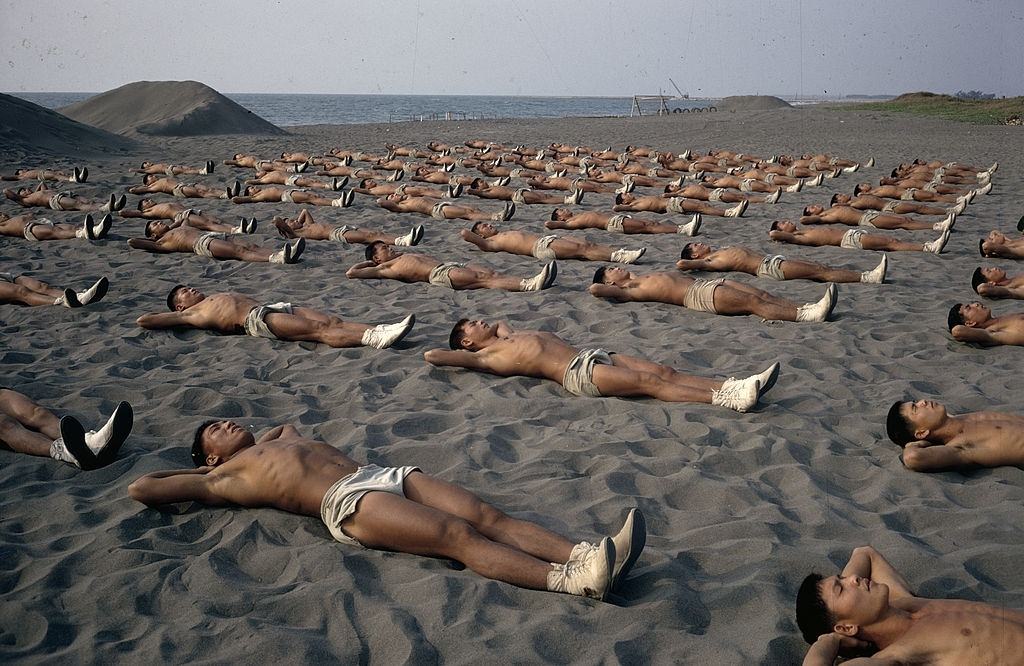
x=775 y=225
x=981 y=247
x=812 y=615
x=171 y=294
x=897 y=427
x=977 y=278
x=599 y=275
x=954 y=318
x=687 y=252
x=476 y=226
x=198 y=455
x=372 y=248
x=806 y=207
x=618 y=199
x=669 y=189
x=857 y=190
x=363 y=182
x=475 y=184
x=554 y=215
x=455 y=338
x=149 y=228
x=832 y=201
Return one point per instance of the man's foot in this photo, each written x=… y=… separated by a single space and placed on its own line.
x=541 y=280
x=574 y=197
x=301 y=168
x=772 y=159
x=628 y=184
x=818 y=311
x=345 y=200
x=94 y=293
x=383 y=336
x=834 y=173
x=291 y=252
x=981 y=246
x=68 y=299
x=958 y=208
x=71 y=447
x=946 y=224
x=967 y=198
x=505 y=213
x=992 y=169
x=106 y=442
x=816 y=181
x=624 y=256
x=678 y=182
x=935 y=246
x=1020 y=224
x=983 y=190
x=395 y=176
x=686 y=154
x=411 y=238
x=93 y=230
x=773 y=197
x=870 y=163
x=767 y=378
x=338 y=184
x=629 y=542
x=877 y=274
x=692 y=227
x=453 y=191
x=591 y=577
x=81 y=175
x=737 y=394
x=501 y=181
x=984 y=178
x=737 y=210
x=109 y=207
x=799 y=185
x=852 y=169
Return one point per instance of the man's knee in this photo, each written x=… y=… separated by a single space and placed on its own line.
x=457 y=534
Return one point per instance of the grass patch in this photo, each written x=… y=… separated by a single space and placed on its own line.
x=1007 y=111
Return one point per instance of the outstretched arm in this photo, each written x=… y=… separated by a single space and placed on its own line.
x=866 y=562
x=922 y=457
x=180 y=485
x=147 y=245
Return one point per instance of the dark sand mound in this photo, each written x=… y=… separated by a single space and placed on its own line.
x=30 y=128
x=168 y=108
x=924 y=96
x=752 y=103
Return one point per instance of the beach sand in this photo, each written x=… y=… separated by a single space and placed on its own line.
x=739 y=506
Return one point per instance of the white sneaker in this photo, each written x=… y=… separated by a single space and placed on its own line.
x=935 y=246
x=984 y=190
x=588 y=577
x=541 y=280
x=574 y=197
x=383 y=336
x=737 y=394
x=94 y=293
x=817 y=180
x=624 y=256
x=946 y=224
x=852 y=169
x=737 y=210
x=691 y=227
x=877 y=274
x=797 y=187
x=960 y=207
x=411 y=238
x=818 y=311
x=629 y=542
x=870 y=162
x=773 y=197
x=105 y=442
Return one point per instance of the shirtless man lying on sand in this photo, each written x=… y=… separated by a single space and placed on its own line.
x=934 y=440
x=304 y=226
x=848 y=215
x=156 y=184
x=784 y=231
x=621 y=223
x=897 y=206
x=629 y=203
x=703 y=257
x=42 y=229
x=699 y=192
x=296 y=180
x=486 y=236
x=162 y=169
x=869 y=608
x=974 y=322
x=179 y=214
x=252 y=194
x=997 y=244
x=232 y=313
x=163 y=238
x=382 y=262
x=522 y=196
x=43 y=197
x=76 y=176
x=443 y=210
x=24 y=290
x=388 y=508
x=378 y=189
x=497 y=349
x=255 y=162
x=27 y=427
x=910 y=193
x=724 y=297
x=992 y=282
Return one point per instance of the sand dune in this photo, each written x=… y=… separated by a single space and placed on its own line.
x=167 y=108
x=27 y=129
x=739 y=506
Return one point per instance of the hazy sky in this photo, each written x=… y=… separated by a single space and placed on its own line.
x=532 y=47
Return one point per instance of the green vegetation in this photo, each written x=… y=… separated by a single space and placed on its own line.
x=1007 y=111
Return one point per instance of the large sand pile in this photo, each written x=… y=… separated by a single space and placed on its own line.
x=30 y=128
x=168 y=108
x=752 y=103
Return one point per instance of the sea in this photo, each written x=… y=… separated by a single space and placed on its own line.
x=287 y=110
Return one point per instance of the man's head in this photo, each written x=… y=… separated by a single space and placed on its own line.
x=367 y=183
x=215 y=442
x=182 y=297
x=624 y=198
x=914 y=421
x=987 y=274
x=816 y=209
x=841 y=604
x=146 y=164
x=560 y=214
x=478 y=184
x=783 y=225
x=612 y=275
x=839 y=198
x=379 y=252
x=695 y=250
x=471 y=335
x=970 y=314
x=861 y=188
x=146 y=204
x=155 y=229
x=150 y=178
x=484 y=229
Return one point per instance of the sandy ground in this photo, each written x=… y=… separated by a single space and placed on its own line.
x=739 y=506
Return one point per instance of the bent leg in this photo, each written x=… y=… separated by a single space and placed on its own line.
x=486 y=519
x=38 y=286
x=16 y=293
x=388 y=522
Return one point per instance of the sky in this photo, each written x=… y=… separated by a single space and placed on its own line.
x=535 y=47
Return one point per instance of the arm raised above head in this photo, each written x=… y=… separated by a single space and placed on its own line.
x=147 y=245
x=364 y=270
x=866 y=562
x=610 y=291
x=927 y=457
x=158 y=320
x=459 y=358
x=184 y=485
x=980 y=336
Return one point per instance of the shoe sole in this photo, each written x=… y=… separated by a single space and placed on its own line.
x=73 y=434
x=637 y=541
x=124 y=419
